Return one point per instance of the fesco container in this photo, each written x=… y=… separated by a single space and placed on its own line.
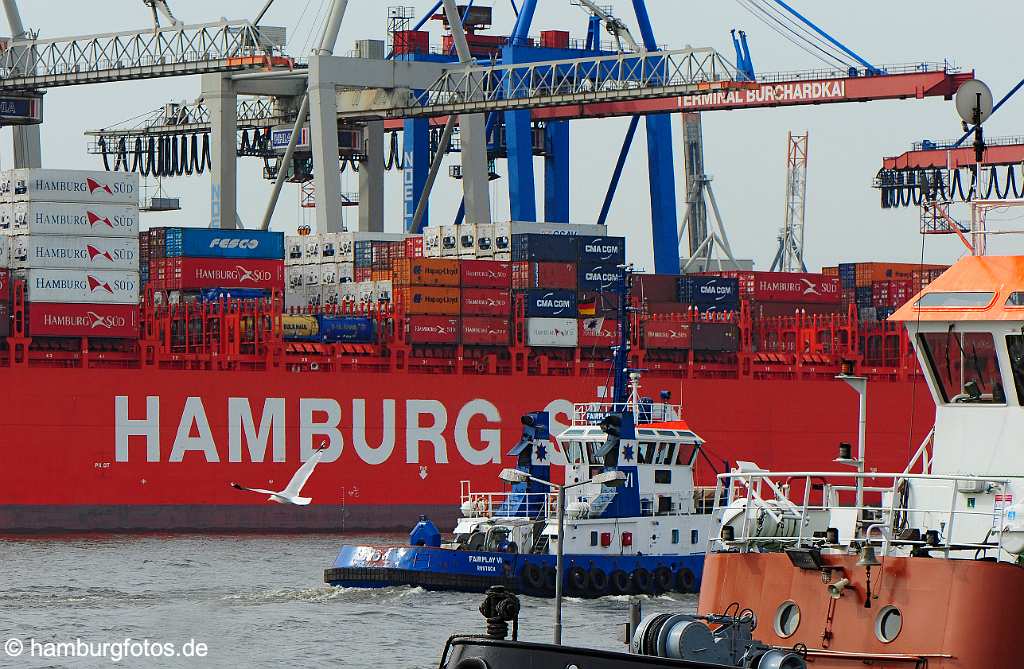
x=80 y=286
x=218 y=243
x=196 y=273
x=74 y=252
x=427 y=272
x=552 y=332
x=716 y=337
x=70 y=218
x=429 y=300
x=41 y=185
x=485 y=274
x=667 y=335
x=432 y=330
x=602 y=250
x=83 y=320
x=601 y=276
x=541 y=303
x=544 y=248
x=530 y=274
x=346 y=329
x=486 y=302
x=486 y=331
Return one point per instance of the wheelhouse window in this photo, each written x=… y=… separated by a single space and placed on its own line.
x=665 y=454
x=965 y=367
x=959 y=300
x=575 y=453
x=1015 y=346
x=1016 y=299
x=687 y=452
x=645 y=452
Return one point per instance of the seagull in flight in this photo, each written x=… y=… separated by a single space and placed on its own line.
x=290 y=494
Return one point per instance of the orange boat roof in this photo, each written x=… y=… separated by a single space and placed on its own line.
x=999 y=275
x=668 y=425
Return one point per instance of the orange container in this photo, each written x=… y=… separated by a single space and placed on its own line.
x=429 y=300
x=426 y=272
x=870 y=272
x=830 y=271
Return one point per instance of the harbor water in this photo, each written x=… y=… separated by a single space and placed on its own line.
x=252 y=600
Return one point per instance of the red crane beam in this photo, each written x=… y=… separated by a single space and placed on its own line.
x=1000 y=154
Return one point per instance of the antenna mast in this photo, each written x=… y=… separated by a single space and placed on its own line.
x=790 y=255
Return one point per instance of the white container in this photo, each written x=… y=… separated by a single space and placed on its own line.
x=449 y=241
x=80 y=286
x=365 y=291
x=485 y=240
x=294 y=298
x=5 y=258
x=329 y=274
x=329 y=243
x=294 y=249
x=39 y=185
x=346 y=272
x=348 y=292
x=552 y=332
x=382 y=291
x=69 y=252
x=311 y=250
x=311 y=275
x=432 y=242
x=466 y=242
x=313 y=296
x=293 y=277
x=329 y=295
x=69 y=218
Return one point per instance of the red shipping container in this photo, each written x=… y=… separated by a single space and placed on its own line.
x=83 y=320
x=655 y=287
x=667 y=308
x=486 y=274
x=486 y=302
x=484 y=331
x=194 y=273
x=598 y=333
x=433 y=330
x=526 y=275
x=412 y=247
x=411 y=41
x=361 y=274
x=787 y=309
x=796 y=287
x=667 y=335
x=554 y=39
x=5 y=285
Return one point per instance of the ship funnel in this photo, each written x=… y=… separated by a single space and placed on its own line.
x=835 y=590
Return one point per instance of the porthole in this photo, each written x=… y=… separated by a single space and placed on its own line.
x=787 y=619
x=888 y=624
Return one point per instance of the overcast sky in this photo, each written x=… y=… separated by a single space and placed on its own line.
x=744 y=150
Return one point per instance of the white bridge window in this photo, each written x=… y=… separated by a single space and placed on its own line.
x=965 y=366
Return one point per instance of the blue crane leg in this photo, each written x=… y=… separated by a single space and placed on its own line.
x=416 y=156
x=556 y=172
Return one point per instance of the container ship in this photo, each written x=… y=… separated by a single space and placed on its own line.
x=144 y=372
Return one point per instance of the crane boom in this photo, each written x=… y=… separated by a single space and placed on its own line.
x=615 y=27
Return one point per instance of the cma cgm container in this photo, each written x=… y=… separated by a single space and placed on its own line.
x=432 y=300
x=433 y=330
x=426 y=272
x=114 y=321
x=80 y=285
x=65 y=252
x=486 y=302
x=70 y=218
x=667 y=335
x=486 y=331
x=542 y=303
x=38 y=185
x=710 y=293
x=552 y=332
x=602 y=250
x=599 y=276
x=216 y=243
x=195 y=273
x=485 y=274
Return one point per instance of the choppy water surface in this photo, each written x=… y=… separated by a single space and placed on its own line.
x=255 y=601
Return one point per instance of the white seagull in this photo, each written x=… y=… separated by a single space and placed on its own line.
x=290 y=494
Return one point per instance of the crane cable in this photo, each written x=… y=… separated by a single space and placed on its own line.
x=782 y=27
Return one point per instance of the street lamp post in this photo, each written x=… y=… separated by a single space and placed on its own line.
x=859 y=384
x=612 y=478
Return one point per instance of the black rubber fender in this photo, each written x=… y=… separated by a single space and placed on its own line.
x=533 y=576
x=549 y=579
x=663 y=579
x=597 y=582
x=577 y=580
x=619 y=581
x=642 y=581
x=686 y=582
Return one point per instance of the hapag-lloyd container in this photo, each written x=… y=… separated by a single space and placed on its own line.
x=428 y=300
x=485 y=274
x=486 y=302
x=83 y=320
x=427 y=272
x=39 y=185
x=194 y=273
x=552 y=332
x=218 y=243
x=433 y=330
x=80 y=285
x=70 y=218
x=669 y=335
x=486 y=331
x=68 y=252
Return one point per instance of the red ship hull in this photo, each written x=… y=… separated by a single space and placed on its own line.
x=156 y=450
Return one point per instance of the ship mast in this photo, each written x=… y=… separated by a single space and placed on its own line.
x=620 y=354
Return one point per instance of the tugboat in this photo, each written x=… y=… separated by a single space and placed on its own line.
x=632 y=520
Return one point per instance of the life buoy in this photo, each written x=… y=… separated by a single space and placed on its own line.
x=532 y=576
x=577 y=579
x=597 y=582
x=549 y=579
x=686 y=582
x=663 y=579
x=642 y=581
x=619 y=581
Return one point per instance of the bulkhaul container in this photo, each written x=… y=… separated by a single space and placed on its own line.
x=80 y=285
x=66 y=252
x=217 y=243
x=39 y=185
x=74 y=218
x=114 y=321
x=552 y=332
x=297 y=327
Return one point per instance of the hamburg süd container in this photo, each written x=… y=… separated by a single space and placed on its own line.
x=70 y=218
x=73 y=252
x=195 y=273
x=552 y=332
x=80 y=286
x=5 y=319
x=218 y=243
x=433 y=330
x=485 y=274
x=667 y=335
x=598 y=332
x=486 y=302
x=486 y=331
x=541 y=303
x=429 y=300
x=5 y=285
x=41 y=185
x=599 y=276
x=115 y=321
x=602 y=250
x=544 y=248
x=427 y=272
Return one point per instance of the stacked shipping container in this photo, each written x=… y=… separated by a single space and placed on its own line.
x=878 y=289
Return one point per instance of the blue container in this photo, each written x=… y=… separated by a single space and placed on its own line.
x=709 y=291
x=599 y=276
x=848 y=275
x=363 y=251
x=545 y=248
x=865 y=296
x=602 y=250
x=214 y=243
x=543 y=303
x=347 y=329
x=215 y=294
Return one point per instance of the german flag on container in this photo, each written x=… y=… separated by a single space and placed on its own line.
x=587 y=308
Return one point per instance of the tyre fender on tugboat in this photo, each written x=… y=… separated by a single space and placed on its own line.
x=597 y=582
x=619 y=581
x=533 y=576
x=663 y=578
x=686 y=582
